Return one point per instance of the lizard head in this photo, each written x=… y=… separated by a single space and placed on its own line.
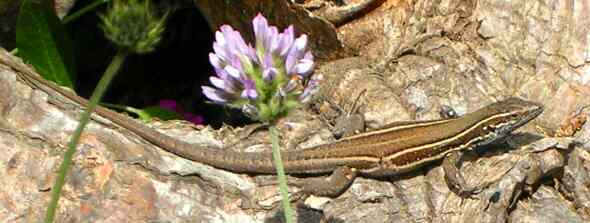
x=506 y=116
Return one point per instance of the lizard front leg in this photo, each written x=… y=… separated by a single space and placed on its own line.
x=452 y=162
x=454 y=178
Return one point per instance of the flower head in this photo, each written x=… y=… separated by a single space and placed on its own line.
x=132 y=25
x=265 y=81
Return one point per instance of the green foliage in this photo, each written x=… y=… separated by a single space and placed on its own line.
x=149 y=113
x=42 y=41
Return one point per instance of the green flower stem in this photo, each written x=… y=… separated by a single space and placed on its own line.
x=276 y=155
x=121 y=107
x=83 y=11
x=112 y=69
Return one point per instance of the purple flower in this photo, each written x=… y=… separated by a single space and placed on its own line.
x=268 y=71
x=169 y=104
x=249 y=90
x=195 y=119
x=214 y=95
x=173 y=106
x=264 y=81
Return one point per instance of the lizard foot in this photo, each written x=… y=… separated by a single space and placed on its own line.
x=455 y=180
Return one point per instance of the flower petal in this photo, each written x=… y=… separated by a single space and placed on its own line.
x=220 y=51
x=290 y=63
x=220 y=39
x=260 y=26
x=267 y=60
x=214 y=95
x=249 y=94
x=269 y=74
x=286 y=41
x=274 y=42
x=217 y=82
x=215 y=61
x=308 y=56
x=301 y=42
x=220 y=73
x=304 y=67
x=232 y=71
x=271 y=39
x=251 y=53
x=299 y=45
x=249 y=89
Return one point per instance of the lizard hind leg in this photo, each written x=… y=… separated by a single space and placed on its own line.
x=331 y=186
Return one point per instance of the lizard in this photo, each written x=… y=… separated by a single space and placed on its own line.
x=391 y=150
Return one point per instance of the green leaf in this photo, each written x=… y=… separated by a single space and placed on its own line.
x=42 y=41
x=148 y=113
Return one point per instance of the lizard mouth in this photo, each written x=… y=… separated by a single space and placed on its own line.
x=530 y=114
x=533 y=112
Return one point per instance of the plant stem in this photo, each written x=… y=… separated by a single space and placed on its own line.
x=110 y=72
x=276 y=155
x=83 y=11
x=125 y=108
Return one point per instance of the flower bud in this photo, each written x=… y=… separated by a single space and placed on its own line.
x=131 y=25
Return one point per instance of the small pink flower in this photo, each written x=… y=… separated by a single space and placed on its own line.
x=173 y=106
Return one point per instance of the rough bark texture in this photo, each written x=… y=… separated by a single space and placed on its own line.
x=411 y=58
